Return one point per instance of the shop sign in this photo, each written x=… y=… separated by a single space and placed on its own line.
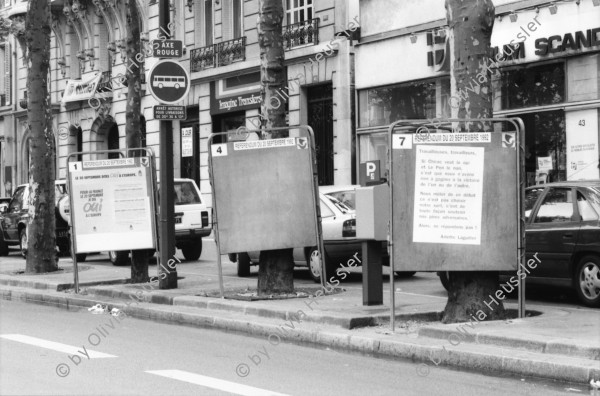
x=242 y=101
x=570 y=41
x=582 y=144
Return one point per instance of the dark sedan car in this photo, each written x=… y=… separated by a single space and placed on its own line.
x=563 y=228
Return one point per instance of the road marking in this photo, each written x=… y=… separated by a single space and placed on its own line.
x=214 y=383
x=55 y=346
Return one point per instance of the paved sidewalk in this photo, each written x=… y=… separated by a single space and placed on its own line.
x=562 y=344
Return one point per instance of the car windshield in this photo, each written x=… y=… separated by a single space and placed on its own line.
x=340 y=205
x=345 y=198
x=186 y=194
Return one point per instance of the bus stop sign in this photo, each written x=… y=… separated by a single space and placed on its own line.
x=169 y=82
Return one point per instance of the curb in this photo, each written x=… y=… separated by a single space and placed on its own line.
x=245 y=308
x=468 y=356
x=31 y=284
x=539 y=346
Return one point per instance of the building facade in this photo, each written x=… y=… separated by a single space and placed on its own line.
x=551 y=80
x=221 y=52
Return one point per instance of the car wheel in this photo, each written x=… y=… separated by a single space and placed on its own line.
x=445 y=279
x=193 y=250
x=3 y=246
x=119 y=258
x=23 y=240
x=81 y=257
x=232 y=257
x=587 y=281
x=404 y=274
x=243 y=264
x=314 y=265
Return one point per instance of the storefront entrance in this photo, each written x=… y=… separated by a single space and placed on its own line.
x=320 y=118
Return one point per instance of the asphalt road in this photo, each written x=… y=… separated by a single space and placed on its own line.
x=130 y=356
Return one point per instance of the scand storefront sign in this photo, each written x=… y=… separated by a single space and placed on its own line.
x=579 y=40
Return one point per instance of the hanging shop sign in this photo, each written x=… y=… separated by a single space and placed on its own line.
x=78 y=90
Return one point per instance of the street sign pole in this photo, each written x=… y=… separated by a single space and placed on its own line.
x=167 y=215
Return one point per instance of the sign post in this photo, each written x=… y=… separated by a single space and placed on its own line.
x=168 y=92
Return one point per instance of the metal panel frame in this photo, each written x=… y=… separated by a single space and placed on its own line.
x=244 y=133
x=123 y=154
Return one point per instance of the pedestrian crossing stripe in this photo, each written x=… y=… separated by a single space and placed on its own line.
x=214 y=383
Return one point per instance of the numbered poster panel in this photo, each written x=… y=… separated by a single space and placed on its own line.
x=455 y=201
x=113 y=206
x=582 y=145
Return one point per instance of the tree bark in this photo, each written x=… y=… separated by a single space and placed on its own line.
x=133 y=131
x=276 y=267
x=41 y=228
x=470 y=30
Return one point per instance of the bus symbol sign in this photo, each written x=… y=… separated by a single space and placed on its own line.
x=169 y=82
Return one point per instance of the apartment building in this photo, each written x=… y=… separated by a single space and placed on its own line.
x=551 y=80
x=221 y=52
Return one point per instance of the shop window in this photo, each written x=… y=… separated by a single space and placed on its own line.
x=422 y=99
x=533 y=86
x=545 y=146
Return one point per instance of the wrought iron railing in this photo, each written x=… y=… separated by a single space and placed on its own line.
x=219 y=54
x=301 y=34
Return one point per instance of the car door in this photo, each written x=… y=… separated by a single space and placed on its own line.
x=10 y=220
x=552 y=234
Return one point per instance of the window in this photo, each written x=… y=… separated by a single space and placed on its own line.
x=208 y=23
x=186 y=194
x=298 y=11
x=585 y=208
x=531 y=197
x=237 y=19
x=325 y=211
x=533 y=86
x=557 y=206
x=17 y=203
x=421 y=99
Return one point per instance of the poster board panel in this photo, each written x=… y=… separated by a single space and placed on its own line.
x=113 y=205
x=264 y=194
x=455 y=204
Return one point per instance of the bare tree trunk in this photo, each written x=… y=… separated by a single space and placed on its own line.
x=276 y=267
x=41 y=227
x=133 y=131
x=471 y=24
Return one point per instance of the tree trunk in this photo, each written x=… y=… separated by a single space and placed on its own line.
x=470 y=24
x=133 y=132
x=41 y=229
x=276 y=267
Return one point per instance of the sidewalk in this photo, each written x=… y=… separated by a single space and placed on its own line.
x=560 y=344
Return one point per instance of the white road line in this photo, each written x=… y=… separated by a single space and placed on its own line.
x=55 y=346
x=214 y=383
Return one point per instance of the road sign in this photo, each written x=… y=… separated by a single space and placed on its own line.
x=168 y=82
x=167 y=48
x=370 y=173
x=170 y=113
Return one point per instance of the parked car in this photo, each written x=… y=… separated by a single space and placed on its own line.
x=338 y=213
x=14 y=219
x=192 y=222
x=563 y=226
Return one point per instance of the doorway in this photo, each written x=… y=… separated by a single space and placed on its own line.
x=320 y=118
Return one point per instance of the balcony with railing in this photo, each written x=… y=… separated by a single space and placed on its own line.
x=219 y=54
x=301 y=34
